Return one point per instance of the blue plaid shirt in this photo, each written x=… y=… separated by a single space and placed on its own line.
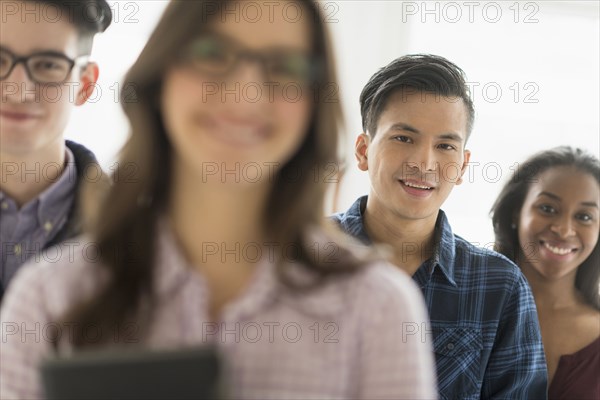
x=484 y=324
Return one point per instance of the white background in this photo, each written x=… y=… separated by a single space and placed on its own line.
x=533 y=66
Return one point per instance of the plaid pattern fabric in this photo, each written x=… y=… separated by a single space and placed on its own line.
x=345 y=340
x=484 y=325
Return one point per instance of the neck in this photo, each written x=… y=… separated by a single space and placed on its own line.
x=552 y=295
x=411 y=240
x=26 y=176
x=215 y=219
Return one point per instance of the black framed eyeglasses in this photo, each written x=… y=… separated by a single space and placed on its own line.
x=217 y=56
x=46 y=67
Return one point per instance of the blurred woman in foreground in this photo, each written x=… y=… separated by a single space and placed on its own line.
x=219 y=229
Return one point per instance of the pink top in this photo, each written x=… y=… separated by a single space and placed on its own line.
x=362 y=337
x=578 y=375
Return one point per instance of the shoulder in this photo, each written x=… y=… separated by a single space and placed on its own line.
x=83 y=156
x=374 y=292
x=32 y=312
x=352 y=215
x=484 y=261
x=88 y=168
x=337 y=217
x=385 y=277
x=55 y=279
x=370 y=275
x=381 y=289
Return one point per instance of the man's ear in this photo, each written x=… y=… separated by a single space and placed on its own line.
x=361 y=148
x=89 y=77
x=467 y=157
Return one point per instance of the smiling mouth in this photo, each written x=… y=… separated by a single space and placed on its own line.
x=241 y=133
x=561 y=251
x=414 y=185
x=19 y=116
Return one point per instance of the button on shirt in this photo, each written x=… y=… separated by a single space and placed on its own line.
x=484 y=322
x=344 y=339
x=25 y=232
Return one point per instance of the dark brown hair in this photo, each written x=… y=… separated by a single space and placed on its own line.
x=510 y=201
x=417 y=72
x=125 y=224
x=88 y=16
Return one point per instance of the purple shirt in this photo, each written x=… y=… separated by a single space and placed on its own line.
x=25 y=232
x=361 y=336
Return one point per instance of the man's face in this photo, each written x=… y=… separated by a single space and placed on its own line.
x=416 y=155
x=33 y=116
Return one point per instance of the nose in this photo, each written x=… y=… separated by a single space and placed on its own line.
x=563 y=227
x=251 y=69
x=422 y=158
x=249 y=78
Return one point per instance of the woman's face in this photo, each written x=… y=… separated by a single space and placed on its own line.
x=236 y=108
x=559 y=222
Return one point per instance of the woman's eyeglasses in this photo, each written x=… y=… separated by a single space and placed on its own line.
x=217 y=57
x=42 y=68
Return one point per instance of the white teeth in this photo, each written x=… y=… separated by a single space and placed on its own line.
x=416 y=186
x=240 y=133
x=557 y=250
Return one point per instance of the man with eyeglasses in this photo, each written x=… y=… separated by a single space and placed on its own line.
x=44 y=73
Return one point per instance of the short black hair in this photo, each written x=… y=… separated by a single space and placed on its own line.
x=510 y=201
x=88 y=16
x=420 y=72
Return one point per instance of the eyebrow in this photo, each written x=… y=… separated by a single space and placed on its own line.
x=406 y=127
x=555 y=197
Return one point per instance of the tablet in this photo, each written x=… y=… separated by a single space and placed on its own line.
x=190 y=373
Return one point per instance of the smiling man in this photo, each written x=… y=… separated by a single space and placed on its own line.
x=44 y=73
x=417 y=116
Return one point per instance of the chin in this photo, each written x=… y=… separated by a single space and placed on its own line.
x=414 y=213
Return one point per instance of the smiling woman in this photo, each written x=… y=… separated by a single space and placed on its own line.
x=172 y=242
x=547 y=220
x=558 y=222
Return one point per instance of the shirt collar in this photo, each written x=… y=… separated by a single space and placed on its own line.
x=57 y=198
x=444 y=253
x=353 y=220
x=173 y=270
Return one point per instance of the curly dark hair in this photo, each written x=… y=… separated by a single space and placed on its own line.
x=511 y=199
